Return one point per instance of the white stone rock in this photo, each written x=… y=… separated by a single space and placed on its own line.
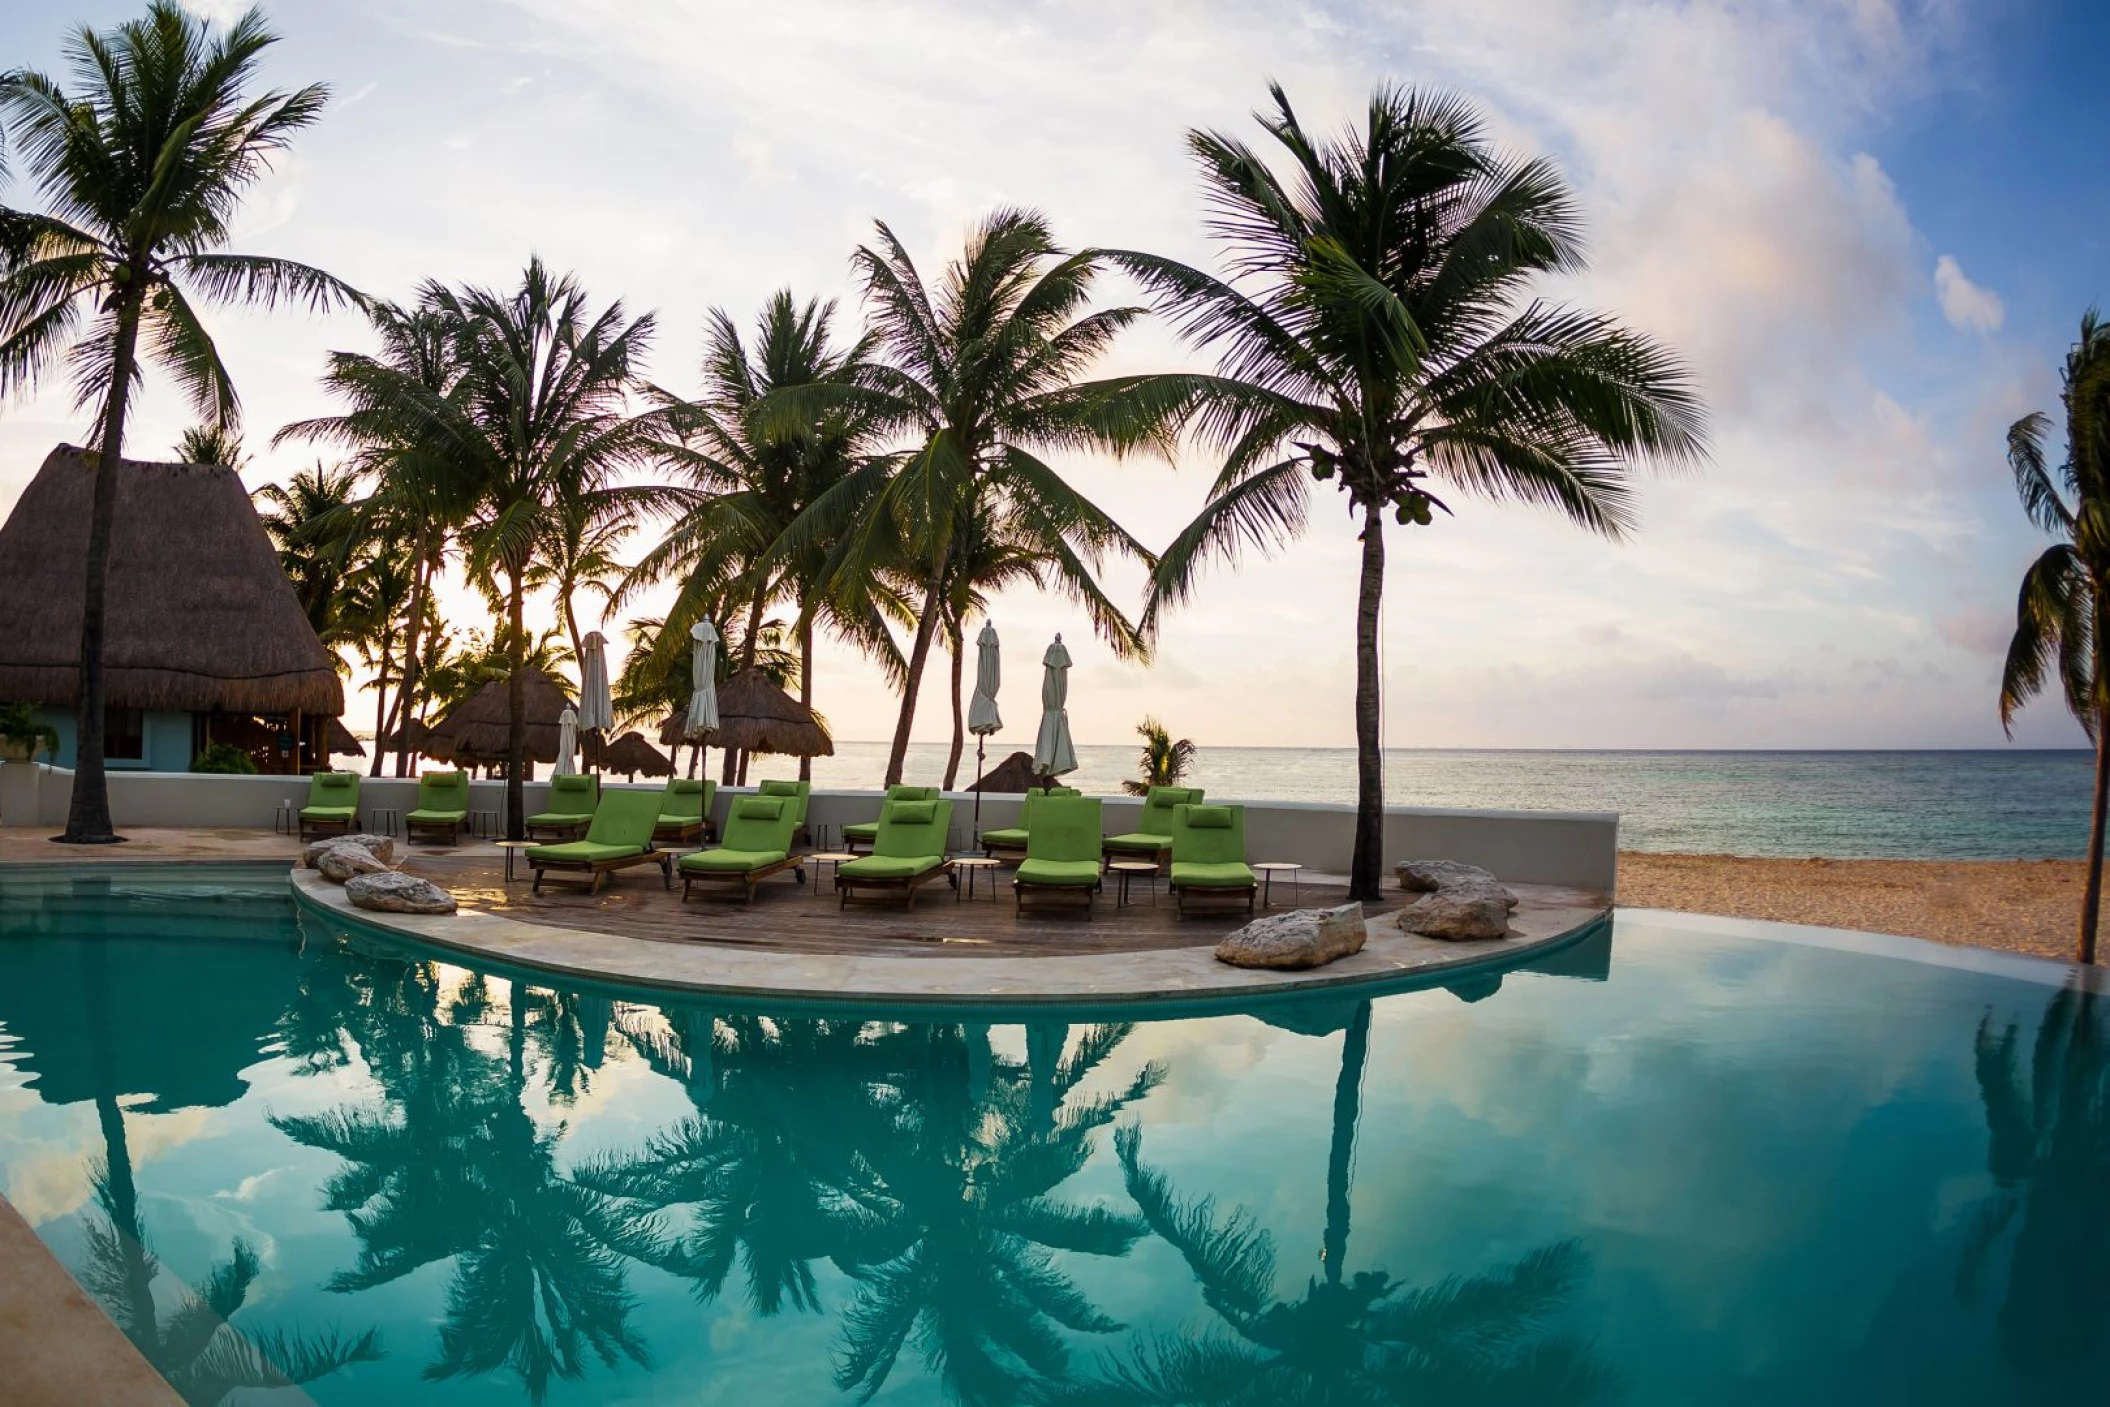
x=341 y=862
x=1427 y=876
x=1460 y=912
x=381 y=847
x=393 y=892
x=1299 y=938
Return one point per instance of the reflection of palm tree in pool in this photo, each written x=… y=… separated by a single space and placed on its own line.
x=1354 y=1339
x=449 y=1166
x=201 y=1354
x=964 y=1185
x=2049 y=1155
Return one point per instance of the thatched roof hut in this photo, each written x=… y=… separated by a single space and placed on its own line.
x=200 y=617
x=631 y=755
x=340 y=741
x=1014 y=774
x=754 y=715
x=474 y=731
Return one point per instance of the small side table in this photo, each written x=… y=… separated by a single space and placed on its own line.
x=974 y=865
x=1125 y=872
x=1267 y=870
x=385 y=819
x=286 y=820
x=833 y=858
x=513 y=849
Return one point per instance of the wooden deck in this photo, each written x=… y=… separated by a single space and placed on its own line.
x=791 y=917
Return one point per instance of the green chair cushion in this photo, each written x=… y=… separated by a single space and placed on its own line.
x=1197 y=874
x=1209 y=818
x=570 y=796
x=423 y=817
x=910 y=813
x=625 y=819
x=1141 y=841
x=861 y=830
x=888 y=866
x=797 y=792
x=328 y=813
x=1065 y=830
x=583 y=852
x=560 y=818
x=682 y=801
x=1067 y=874
x=723 y=861
x=667 y=820
x=333 y=790
x=1014 y=835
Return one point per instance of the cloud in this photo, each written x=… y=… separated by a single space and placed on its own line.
x=1964 y=303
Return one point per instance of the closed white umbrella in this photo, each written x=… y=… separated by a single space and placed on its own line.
x=596 y=708
x=703 y=688
x=567 y=742
x=982 y=717
x=1053 y=753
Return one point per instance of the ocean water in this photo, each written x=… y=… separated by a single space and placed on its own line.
x=2013 y=804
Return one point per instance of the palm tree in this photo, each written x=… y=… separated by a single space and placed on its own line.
x=984 y=375
x=211 y=444
x=753 y=470
x=1165 y=760
x=142 y=167
x=1372 y=333
x=421 y=487
x=312 y=522
x=535 y=422
x=2063 y=616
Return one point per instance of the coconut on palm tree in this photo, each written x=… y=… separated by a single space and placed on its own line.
x=982 y=373
x=2064 y=608
x=1374 y=332
x=141 y=165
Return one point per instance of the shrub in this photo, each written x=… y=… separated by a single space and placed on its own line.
x=224 y=757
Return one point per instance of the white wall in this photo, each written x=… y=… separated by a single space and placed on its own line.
x=1530 y=847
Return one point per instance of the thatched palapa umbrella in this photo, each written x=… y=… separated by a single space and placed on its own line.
x=474 y=731
x=339 y=742
x=754 y=715
x=1014 y=775
x=631 y=754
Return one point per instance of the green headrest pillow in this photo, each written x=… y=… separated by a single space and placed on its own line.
x=760 y=808
x=571 y=781
x=1064 y=791
x=1208 y=818
x=912 y=813
x=684 y=786
x=1173 y=796
x=779 y=789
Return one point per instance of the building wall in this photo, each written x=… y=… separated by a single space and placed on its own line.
x=167 y=742
x=1529 y=847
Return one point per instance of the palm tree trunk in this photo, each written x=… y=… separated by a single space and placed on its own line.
x=806 y=684
x=919 y=655
x=381 y=703
x=516 y=710
x=1366 y=865
x=1340 y=1156
x=88 y=813
x=2092 y=895
x=413 y=628
x=959 y=714
x=735 y=771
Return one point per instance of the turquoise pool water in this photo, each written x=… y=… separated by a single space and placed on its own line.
x=1686 y=1164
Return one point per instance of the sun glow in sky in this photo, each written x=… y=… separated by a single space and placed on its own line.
x=1858 y=219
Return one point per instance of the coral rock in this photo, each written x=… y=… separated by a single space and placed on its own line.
x=393 y=892
x=1299 y=938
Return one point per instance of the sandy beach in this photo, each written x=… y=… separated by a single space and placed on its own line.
x=2023 y=906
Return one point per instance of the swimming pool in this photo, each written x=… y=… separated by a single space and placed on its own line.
x=1684 y=1163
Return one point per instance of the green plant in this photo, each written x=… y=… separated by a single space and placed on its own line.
x=224 y=758
x=1376 y=333
x=19 y=725
x=142 y=165
x=2065 y=600
x=1164 y=761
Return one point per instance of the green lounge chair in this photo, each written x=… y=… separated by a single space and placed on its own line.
x=443 y=807
x=572 y=801
x=798 y=792
x=859 y=835
x=619 y=836
x=1062 y=852
x=757 y=845
x=1009 y=842
x=1208 y=856
x=1152 y=837
x=333 y=805
x=908 y=852
x=685 y=810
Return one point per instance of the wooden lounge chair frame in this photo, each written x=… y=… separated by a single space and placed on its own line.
x=316 y=828
x=845 y=887
x=862 y=845
x=565 y=830
x=848 y=884
x=698 y=829
x=1205 y=896
x=449 y=832
x=750 y=880
x=1012 y=854
x=743 y=828
x=599 y=870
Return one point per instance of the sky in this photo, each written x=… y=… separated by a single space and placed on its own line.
x=1858 y=220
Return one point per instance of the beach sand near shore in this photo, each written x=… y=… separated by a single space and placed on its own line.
x=2023 y=906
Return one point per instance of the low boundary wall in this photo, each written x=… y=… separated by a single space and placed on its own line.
x=1576 y=848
